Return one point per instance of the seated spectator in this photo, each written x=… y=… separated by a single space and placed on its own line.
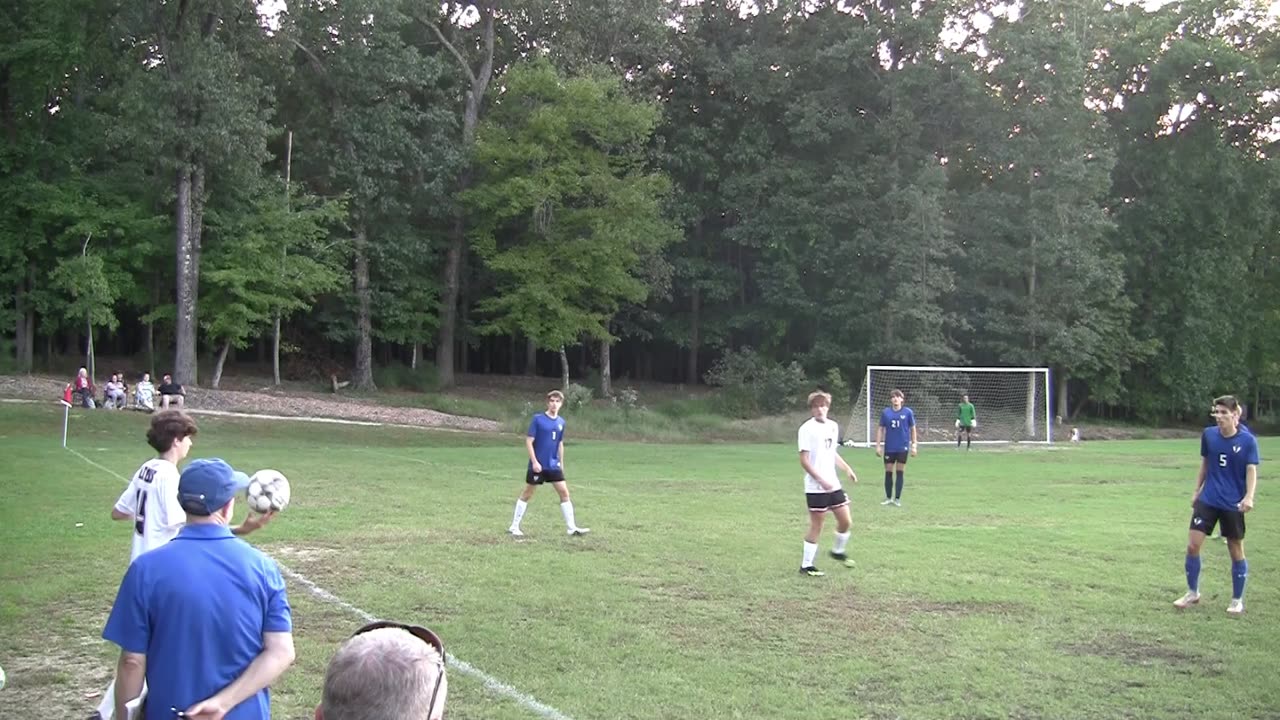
x=144 y=395
x=171 y=393
x=386 y=671
x=83 y=387
x=113 y=395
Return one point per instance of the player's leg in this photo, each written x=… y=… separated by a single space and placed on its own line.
x=968 y=437
x=899 y=475
x=959 y=432
x=566 y=508
x=1233 y=531
x=531 y=483
x=818 y=505
x=888 y=479
x=843 y=523
x=1203 y=518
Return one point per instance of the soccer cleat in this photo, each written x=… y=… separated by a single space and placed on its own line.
x=897 y=502
x=1186 y=601
x=577 y=532
x=515 y=531
x=887 y=501
x=811 y=571
x=1236 y=607
x=842 y=558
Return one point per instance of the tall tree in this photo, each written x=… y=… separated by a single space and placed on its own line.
x=194 y=104
x=475 y=58
x=567 y=213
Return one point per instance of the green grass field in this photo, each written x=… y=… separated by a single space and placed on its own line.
x=1024 y=583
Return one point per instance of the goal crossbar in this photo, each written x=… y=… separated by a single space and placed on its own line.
x=1012 y=403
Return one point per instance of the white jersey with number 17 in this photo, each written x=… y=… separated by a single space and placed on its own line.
x=821 y=439
x=152 y=499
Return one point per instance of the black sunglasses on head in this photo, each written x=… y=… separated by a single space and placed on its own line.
x=423 y=634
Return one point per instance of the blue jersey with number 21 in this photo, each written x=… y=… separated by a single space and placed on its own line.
x=897 y=426
x=547 y=432
x=1228 y=459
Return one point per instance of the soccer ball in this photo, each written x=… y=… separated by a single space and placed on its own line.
x=268 y=491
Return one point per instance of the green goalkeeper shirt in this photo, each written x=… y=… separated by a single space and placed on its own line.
x=965 y=413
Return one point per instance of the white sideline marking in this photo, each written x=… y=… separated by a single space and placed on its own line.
x=333 y=421
x=490 y=682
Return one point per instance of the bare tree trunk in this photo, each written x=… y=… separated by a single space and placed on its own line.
x=275 y=350
x=479 y=84
x=417 y=353
x=217 y=367
x=151 y=325
x=530 y=357
x=88 y=351
x=25 y=322
x=364 y=320
x=606 y=381
x=188 y=277
x=564 y=368
x=695 y=311
x=1063 y=408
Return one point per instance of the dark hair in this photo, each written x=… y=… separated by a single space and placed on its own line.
x=1227 y=401
x=895 y=393
x=168 y=427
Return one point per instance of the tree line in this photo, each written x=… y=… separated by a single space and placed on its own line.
x=642 y=188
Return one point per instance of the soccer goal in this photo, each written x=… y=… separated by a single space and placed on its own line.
x=1012 y=403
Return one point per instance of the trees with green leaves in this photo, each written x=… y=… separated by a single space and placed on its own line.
x=566 y=213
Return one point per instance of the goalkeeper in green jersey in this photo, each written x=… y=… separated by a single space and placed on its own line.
x=966 y=421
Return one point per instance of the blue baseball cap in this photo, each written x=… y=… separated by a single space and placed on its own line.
x=208 y=484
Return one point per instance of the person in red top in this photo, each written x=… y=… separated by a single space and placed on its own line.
x=83 y=386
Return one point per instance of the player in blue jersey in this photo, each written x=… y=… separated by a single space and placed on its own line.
x=545 y=445
x=897 y=434
x=1223 y=494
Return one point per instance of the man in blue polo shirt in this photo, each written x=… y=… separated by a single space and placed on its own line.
x=204 y=619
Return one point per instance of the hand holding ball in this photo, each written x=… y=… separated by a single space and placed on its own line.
x=268 y=491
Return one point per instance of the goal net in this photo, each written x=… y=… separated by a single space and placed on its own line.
x=1011 y=403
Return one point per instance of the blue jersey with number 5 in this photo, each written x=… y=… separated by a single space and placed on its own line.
x=897 y=426
x=1228 y=459
x=547 y=433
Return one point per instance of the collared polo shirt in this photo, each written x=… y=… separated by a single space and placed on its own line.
x=197 y=608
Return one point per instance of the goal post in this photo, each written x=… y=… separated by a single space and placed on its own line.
x=1012 y=403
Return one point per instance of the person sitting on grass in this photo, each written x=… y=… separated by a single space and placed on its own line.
x=113 y=396
x=171 y=393
x=144 y=395
x=83 y=387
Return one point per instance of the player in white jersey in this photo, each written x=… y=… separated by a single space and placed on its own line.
x=819 y=442
x=151 y=498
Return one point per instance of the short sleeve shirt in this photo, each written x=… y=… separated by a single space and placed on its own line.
x=821 y=440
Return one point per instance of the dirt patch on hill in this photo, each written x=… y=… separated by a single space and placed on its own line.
x=273 y=402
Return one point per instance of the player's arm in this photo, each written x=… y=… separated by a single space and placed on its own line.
x=253 y=521
x=879 y=439
x=533 y=457
x=131 y=670
x=560 y=450
x=853 y=477
x=1250 y=484
x=808 y=467
x=125 y=507
x=915 y=446
x=1200 y=478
